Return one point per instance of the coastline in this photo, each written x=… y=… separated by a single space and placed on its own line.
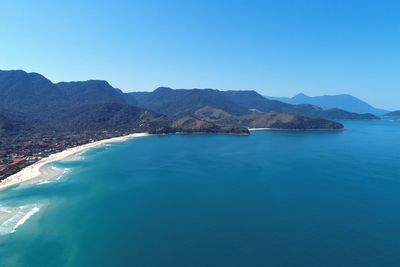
x=260 y=129
x=296 y=130
x=38 y=172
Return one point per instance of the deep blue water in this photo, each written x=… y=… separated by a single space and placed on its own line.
x=268 y=199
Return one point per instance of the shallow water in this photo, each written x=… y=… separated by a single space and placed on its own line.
x=269 y=199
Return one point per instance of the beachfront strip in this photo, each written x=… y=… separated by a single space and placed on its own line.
x=33 y=172
x=21 y=151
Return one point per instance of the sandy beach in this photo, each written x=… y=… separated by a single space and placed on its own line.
x=259 y=129
x=38 y=172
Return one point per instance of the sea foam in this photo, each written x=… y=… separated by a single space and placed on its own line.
x=11 y=218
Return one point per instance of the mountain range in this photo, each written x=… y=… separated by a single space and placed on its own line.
x=344 y=101
x=31 y=102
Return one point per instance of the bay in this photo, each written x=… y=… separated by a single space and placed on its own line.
x=269 y=199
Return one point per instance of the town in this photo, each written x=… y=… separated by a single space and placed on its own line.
x=21 y=151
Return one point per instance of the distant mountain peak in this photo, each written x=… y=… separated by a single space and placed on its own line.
x=300 y=95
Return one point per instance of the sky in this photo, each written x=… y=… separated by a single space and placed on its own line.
x=278 y=48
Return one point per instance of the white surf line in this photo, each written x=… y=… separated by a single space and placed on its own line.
x=18 y=216
x=259 y=129
x=25 y=218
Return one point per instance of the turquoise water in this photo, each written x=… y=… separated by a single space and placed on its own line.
x=269 y=199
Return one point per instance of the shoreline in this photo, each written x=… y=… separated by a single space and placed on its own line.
x=260 y=129
x=296 y=130
x=37 y=172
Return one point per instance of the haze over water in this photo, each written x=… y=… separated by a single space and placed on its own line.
x=268 y=199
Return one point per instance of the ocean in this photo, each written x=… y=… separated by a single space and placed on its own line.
x=273 y=198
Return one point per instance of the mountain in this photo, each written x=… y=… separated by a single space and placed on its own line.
x=394 y=114
x=183 y=102
x=91 y=92
x=37 y=97
x=344 y=101
x=29 y=93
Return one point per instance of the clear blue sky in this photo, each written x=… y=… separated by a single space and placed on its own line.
x=278 y=48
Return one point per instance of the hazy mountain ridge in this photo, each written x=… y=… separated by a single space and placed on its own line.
x=394 y=114
x=343 y=101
